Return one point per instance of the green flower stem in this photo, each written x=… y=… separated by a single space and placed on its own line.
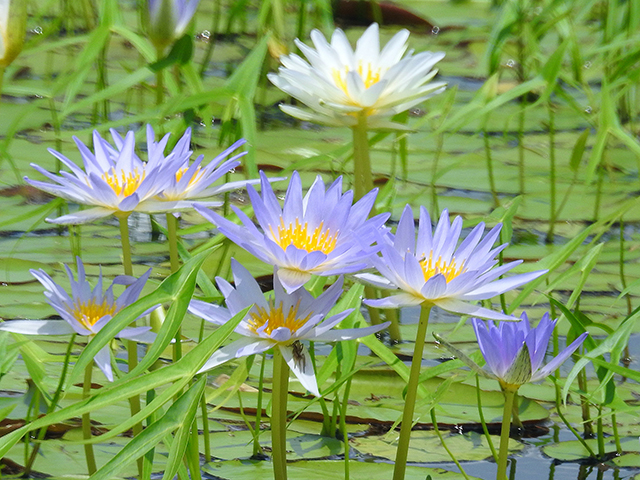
x=509 y=395
x=485 y=429
x=343 y=426
x=194 y=453
x=521 y=121
x=159 y=78
x=257 y=449
x=52 y=406
x=172 y=233
x=86 y=422
x=434 y=421
x=363 y=181
x=552 y=174
x=410 y=398
x=132 y=346
x=126 y=246
x=492 y=182
x=279 y=415
x=1 y=77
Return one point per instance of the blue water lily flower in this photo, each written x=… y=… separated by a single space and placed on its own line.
x=86 y=310
x=277 y=322
x=323 y=233
x=116 y=181
x=515 y=352
x=431 y=268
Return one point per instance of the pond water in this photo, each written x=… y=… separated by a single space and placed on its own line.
x=44 y=104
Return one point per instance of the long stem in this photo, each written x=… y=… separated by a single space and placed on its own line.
x=552 y=173
x=485 y=429
x=504 y=433
x=159 y=78
x=343 y=426
x=194 y=453
x=257 y=449
x=52 y=405
x=489 y=157
x=279 y=415
x=363 y=180
x=132 y=346
x=410 y=399
x=86 y=423
x=434 y=421
x=172 y=234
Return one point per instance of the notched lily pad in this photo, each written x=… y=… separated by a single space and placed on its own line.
x=16 y=270
x=573 y=450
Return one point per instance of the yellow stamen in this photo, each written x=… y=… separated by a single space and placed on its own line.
x=449 y=270
x=88 y=313
x=299 y=236
x=194 y=179
x=275 y=318
x=369 y=75
x=124 y=183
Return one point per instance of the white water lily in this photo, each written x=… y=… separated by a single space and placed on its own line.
x=13 y=25
x=86 y=311
x=338 y=83
x=280 y=322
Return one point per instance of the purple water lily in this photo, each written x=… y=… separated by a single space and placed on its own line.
x=515 y=352
x=116 y=181
x=432 y=269
x=86 y=311
x=281 y=321
x=323 y=233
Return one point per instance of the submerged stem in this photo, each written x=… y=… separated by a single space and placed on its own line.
x=509 y=395
x=279 y=415
x=410 y=399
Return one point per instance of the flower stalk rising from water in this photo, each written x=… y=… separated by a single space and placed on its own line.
x=432 y=270
x=281 y=323
x=514 y=353
x=86 y=310
x=322 y=233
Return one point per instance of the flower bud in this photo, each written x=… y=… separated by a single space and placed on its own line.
x=168 y=19
x=13 y=24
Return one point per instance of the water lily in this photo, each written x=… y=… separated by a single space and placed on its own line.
x=320 y=234
x=338 y=83
x=168 y=19
x=85 y=311
x=432 y=269
x=116 y=181
x=281 y=321
x=515 y=352
x=13 y=26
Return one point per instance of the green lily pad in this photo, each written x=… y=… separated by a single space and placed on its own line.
x=321 y=470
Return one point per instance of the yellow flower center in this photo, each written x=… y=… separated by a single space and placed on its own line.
x=300 y=236
x=450 y=270
x=194 y=179
x=370 y=76
x=275 y=318
x=124 y=183
x=88 y=313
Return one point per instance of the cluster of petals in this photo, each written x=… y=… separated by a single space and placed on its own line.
x=115 y=180
x=338 y=83
x=86 y=310
x=322 y=234
x=168 y=19
x=432 y=269
x=515 y=352
x=281 y=321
